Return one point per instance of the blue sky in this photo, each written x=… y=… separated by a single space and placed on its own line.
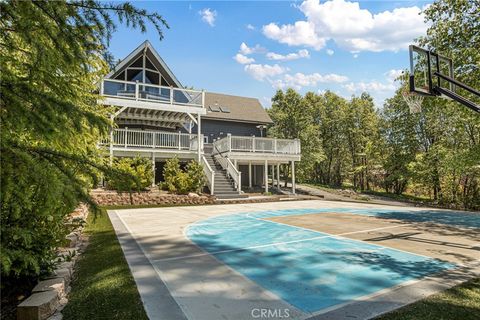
x=338 y=45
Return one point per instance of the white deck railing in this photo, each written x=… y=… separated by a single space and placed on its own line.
x=128 y=138
x=209 y=173
x=232 y=171
x=258 y=145
x=152 y=93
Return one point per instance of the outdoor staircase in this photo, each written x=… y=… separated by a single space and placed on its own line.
x=224 y=185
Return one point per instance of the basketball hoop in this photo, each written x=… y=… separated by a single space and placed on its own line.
x=413 y=100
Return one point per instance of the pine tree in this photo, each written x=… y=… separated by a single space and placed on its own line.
x=52 y=56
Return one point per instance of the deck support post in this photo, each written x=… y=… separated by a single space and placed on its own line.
x=273 y=175
x=153 y=168
x=278 y=176
x=265 y=174
x=250 y=174
x=111 y=140
x=293 y=177
x=199 y=136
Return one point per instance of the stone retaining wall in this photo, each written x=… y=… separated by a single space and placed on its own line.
x=112 y=198
x=49 y=296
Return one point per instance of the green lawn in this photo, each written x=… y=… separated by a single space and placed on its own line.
x=103 y=287
x=461 y=302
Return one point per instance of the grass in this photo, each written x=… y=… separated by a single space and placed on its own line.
x=103 y=287
x=460 y=302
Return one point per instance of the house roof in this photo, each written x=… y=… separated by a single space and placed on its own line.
x=242 y=109
x=154 y=58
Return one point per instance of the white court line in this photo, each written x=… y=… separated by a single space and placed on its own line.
x=281 y=243
x=340 y=236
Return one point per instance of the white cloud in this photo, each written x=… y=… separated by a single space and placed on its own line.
x=250 y=27
x=351 y=27
x=240 y=58
x=393 y=74
x=291 y=56
x=300 y=80
x=375 y=86
x=246 y=50
x=355 y=55
x=262 y=72
x=208 y=16
x=330 y=52
x=300 y=33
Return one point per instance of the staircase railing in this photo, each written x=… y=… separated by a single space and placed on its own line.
x=232 y=171
x=209 y=173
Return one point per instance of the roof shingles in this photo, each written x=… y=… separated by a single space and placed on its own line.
x=242 y=109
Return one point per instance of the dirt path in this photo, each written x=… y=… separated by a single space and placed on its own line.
x=354 y=197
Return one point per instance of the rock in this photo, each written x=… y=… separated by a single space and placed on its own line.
x=38 y=306
x=72 y=238
x=64 y=273
x=54 y=284
x=66 y=265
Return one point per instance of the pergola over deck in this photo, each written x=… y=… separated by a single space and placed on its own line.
x=146 y=94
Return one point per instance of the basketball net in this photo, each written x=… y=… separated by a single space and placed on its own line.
x=413 y=100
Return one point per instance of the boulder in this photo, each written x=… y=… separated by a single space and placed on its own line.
x=38 y=306
x=64 y=273
x=53 y=284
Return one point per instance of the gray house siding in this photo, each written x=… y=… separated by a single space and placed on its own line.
x=214 y=129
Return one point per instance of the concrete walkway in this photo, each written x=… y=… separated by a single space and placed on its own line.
x=177 y=280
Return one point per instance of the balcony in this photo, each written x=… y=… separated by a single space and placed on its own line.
x=258 y=148
x=139 y=140
x=136 y=94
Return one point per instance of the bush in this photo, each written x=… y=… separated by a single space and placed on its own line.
x=183 y=181
x=140 y=168
x=196 y=177
x=35 y=199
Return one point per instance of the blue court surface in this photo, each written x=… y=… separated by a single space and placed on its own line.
x=313 y=270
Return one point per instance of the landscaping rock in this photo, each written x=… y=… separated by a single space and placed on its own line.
x=64 y=273
x=54 y=284
x=38 y=306
x=154 y=198
x=72 y=238
x=66 y=265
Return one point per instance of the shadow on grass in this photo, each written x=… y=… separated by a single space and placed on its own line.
x=460 y=302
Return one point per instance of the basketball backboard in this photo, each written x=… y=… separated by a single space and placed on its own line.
x=425 y=67
x=432 y=75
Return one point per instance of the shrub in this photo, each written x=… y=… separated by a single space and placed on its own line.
x=140 y=168
x=196 y=176
x=35 y=201
x=183 y=181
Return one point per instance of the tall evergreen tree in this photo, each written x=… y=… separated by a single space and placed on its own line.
x=52 y=56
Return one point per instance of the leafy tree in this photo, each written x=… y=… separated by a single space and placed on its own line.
x=329 y=116
x=455 y=32
x=52 y=55
x=292 y=117
x=183 y=181
x=138 y=167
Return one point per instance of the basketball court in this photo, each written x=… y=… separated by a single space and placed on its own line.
x=295 y=260
x=304 y=259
